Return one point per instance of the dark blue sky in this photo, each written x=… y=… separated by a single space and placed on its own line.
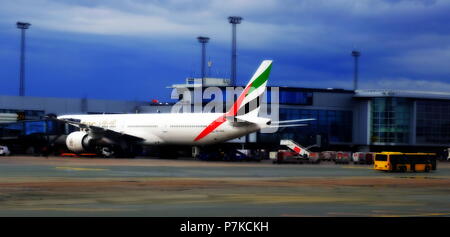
x=132 y=50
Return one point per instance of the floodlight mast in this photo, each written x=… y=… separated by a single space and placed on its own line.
x=22 y=26
x=203 y=40
x=234 y=20
x=355 y=54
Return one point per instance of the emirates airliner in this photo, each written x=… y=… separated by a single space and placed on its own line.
x=175 y=128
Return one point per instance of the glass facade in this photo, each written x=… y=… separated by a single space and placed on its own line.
x=334 y=126
x=25 y=114
x=29 y=127
x=390 y=120
x=433 y=122
x=289 y=96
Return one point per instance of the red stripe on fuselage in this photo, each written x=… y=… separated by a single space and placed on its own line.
x=219 y=121
x=216 y=123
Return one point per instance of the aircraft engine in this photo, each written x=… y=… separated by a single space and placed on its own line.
x=78 y=141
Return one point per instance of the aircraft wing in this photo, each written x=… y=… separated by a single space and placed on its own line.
x=97 y=131
x=273 y=124
x=287 y=123
x=251 y=119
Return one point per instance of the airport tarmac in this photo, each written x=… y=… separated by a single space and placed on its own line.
x=57 y=186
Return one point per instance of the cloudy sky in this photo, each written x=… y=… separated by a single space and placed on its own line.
x=134 y=49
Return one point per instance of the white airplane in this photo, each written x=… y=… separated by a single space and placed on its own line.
x=175 y=128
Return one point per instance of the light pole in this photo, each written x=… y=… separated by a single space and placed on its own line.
x=203 y=40
x=234 y=20
x=355 y=55
x=22 y=26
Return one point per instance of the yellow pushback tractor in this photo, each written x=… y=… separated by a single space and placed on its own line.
x=404 y=162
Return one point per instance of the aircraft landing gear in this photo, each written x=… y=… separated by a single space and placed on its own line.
x=107 y=152
x=116 y=152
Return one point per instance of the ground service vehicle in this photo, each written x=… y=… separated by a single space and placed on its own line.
x=403 y=162
x=342 y=157
x=328 y=156
x=4 y=151
x=363 y=157
x=298 y=154
x=293 y=157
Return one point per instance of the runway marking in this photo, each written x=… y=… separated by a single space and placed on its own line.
x=416 y=215
x=79 y=168
x=74 y=209
x=381 y=214
x=357 y=167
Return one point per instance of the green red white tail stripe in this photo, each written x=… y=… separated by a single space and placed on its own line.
x=253 y=91
x=254 y=88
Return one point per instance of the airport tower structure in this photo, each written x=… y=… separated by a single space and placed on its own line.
x=234 y=20
x=22 y=26
x=203 y=40
x=355 y=55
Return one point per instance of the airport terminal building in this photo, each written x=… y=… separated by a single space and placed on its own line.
x=361 y=120
x=403 y=118
x=372 y=120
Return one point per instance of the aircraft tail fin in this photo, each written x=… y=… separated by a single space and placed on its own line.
x=248 y=103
